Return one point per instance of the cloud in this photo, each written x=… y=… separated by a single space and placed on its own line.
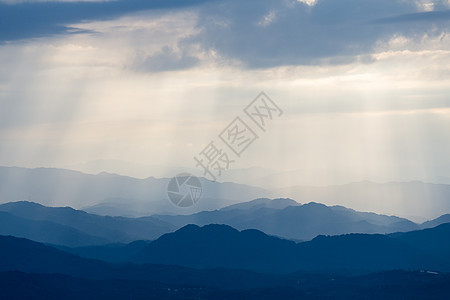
x=167 y=60
x=429 y=16
x=269 y=33
x=30 y=19
x=255 y=33
x=12 y=2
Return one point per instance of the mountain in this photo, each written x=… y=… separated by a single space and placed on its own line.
x=288 y=219
x=279 y=203
x=127 y=168
x=435 y=240
x=113 y=253
x=280 y=217
x=17 y=254
x=32 y=270
x=221 y=246
x=409 y=199
x=109 y=193
x=46 y=232
x=139 y=170
x=70 y=227
x=374 y=252
x=438 y=221
x=28 y=256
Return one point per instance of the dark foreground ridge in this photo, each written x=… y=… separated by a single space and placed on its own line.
x=221 y=246
x=385 y=285
x=218 y=261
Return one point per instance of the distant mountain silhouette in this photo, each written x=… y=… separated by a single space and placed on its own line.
x=70 y=227
x=32 y=270
x=280 y=217
x=17 y=254
x=113 y=253
x=110 y=194
x=45 y=231
x=413 y=198
x=435 y=241
x=435 y=222
x=279 y=203
x=214 y=246
x=220 y=246
x=28 y=256
x=288 y=219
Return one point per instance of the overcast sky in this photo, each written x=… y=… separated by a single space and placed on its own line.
x=364 y=85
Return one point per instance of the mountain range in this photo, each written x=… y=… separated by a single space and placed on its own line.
x=111 y=194
x=91 y=256
x=412 y=199
x=69 y=227
x=289 y=219
x=221 y=246
x=116 y=195
x=65 y=226
x=17 y=254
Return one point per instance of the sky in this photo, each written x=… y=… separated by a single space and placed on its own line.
x=363 y=86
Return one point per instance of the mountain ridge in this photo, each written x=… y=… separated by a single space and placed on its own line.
x=298 y=222
x=221 y=246
x=107 y=229
x=61 y=187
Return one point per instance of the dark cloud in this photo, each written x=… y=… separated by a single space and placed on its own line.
x=29 y=20
x=259 y=33
x=432 y=16
x=336 y=31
